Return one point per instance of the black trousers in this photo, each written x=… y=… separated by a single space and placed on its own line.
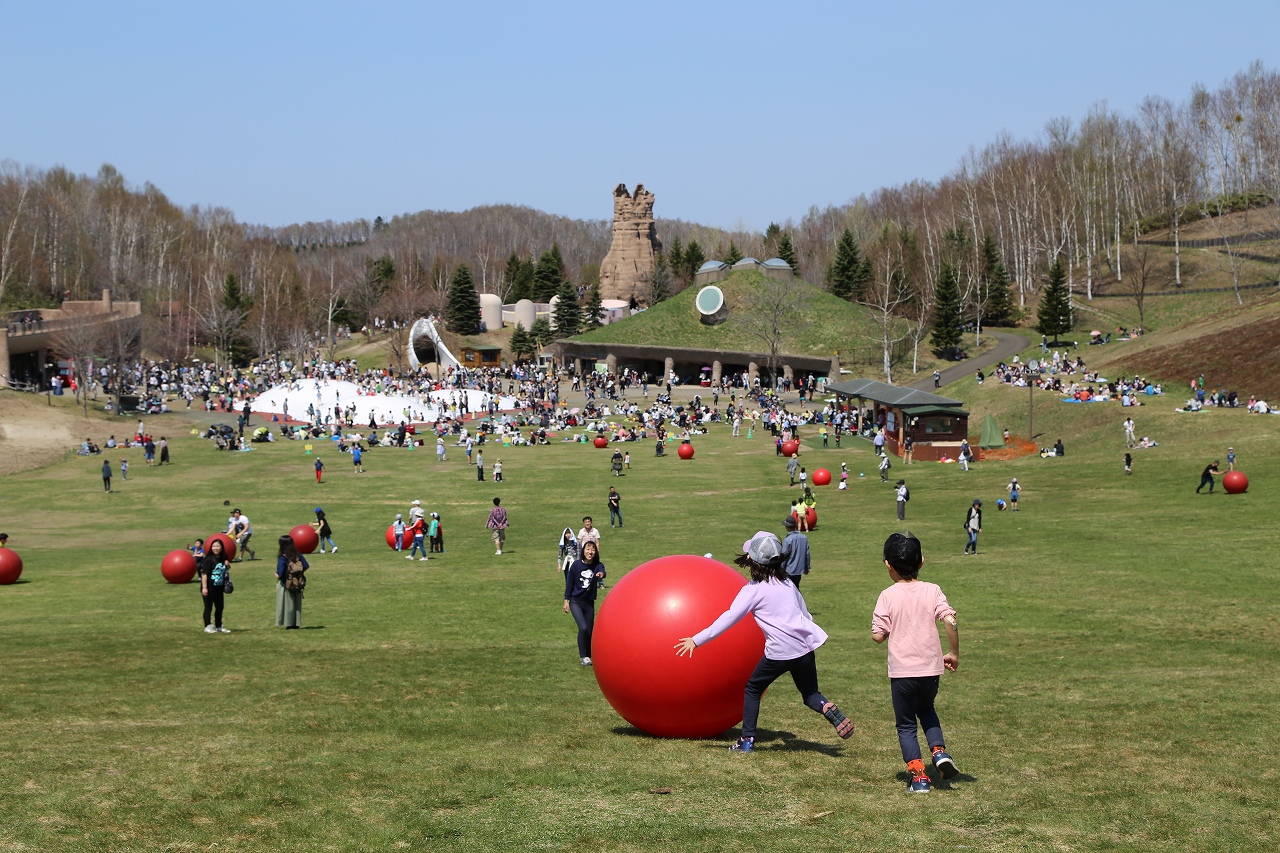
x=804 y=672
x=584 y=613
x=1205 y=479
x=912 y=701
x=213 y=603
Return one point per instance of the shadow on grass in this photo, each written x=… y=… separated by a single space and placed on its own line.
x=766 y=741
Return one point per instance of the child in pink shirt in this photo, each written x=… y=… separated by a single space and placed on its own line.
x=790 y=637
x=906 y=615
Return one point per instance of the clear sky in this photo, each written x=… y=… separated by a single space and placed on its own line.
x=733 y=113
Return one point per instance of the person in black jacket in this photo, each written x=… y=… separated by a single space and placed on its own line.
x=973 y=526
x=580 y=582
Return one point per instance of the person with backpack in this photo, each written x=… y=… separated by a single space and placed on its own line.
x=291 y=579
x=904 y=495
x=973 y=526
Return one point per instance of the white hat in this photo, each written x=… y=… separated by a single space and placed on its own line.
x=416 y=503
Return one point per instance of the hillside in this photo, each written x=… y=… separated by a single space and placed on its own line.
x=818 y=324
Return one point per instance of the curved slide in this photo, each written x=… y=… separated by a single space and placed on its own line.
x=426 y=328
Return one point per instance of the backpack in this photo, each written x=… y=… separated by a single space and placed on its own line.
x=295 y=579
x=906 y=495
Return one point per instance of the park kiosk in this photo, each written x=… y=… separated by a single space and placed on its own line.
x=936 y=424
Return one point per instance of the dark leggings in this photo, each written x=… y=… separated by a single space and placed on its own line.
x=584 y=613
x=1205 y=480
x=213 y=602
x=913 y=700
x=804 y=672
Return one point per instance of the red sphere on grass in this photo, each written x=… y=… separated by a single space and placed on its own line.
x=810 y=515
x=406 y=540
x=1235 y=483
x=228 y=544
x=685 y=451
x=305 y=538
x=178 y=566
x=790 y=448
x=632 y=648
x=10 y=566
x=601 y=441
x=822 y=477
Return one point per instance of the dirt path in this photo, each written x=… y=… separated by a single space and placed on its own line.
x=34 y=434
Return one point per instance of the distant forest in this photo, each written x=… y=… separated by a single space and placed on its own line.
x=1078 y=195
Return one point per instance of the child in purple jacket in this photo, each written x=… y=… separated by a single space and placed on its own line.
x=790 y=637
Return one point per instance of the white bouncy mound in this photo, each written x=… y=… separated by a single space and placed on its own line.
x=314 y=399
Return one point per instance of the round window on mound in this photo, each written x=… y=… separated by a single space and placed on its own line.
x=710 y=305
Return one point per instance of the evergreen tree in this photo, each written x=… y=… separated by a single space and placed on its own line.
x=540 y=332
x=232 y=298
x=512 y=275
x=843 y=276
x=694 y=258
x=522 y=285
x=862 y=279
x=732 y=256
x=772 y=235
x=462 y=314
x=997 y=300
x=593 y=310
x=675 y=259
x=521 y=342
x=547 y=276
x=946 y=312
x=659 y=280
x=1055 y=304
x=568 y=313
x=787 y=252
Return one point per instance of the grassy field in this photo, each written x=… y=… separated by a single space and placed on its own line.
x=1116 y=691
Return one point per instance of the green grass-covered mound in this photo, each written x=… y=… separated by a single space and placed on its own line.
x=820 y=324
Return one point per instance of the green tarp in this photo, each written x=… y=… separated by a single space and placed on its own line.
x=992 y=438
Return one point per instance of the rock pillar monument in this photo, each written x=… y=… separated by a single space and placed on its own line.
x=625 y=271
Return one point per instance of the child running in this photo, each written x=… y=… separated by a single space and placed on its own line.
x=906 y=615
x=790 y=637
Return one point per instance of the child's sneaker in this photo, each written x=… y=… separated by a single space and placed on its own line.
x=844 y=725
x=945 y=764
x=919 y=784
x=744 y=744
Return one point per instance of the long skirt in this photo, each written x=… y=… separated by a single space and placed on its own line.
x=288 y=606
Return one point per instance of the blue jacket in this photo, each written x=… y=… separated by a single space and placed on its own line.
x=795 y=553
x=580 y=580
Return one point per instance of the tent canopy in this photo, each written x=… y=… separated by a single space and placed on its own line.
x=992 y=438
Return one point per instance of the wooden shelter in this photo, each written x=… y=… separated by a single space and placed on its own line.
x=936 y=424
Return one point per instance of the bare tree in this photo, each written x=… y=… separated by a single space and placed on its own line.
x=78 y=339
x=1141 y=262
x=895 y=260
x=768 y=313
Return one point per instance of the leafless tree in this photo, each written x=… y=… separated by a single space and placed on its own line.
x=768 y=313
x=1141 y=261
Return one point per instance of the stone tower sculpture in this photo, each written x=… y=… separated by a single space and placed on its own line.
x=625 y=271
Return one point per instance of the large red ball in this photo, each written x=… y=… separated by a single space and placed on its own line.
x=228 y=544
x=10 y=566
x=1235 y=483
x=810 y=515
x=178 y=566
x=822 y=477
x=601 y=441
x=645 y=614
x=790 y=448
x=406 y=540
x=305 y=538
x=685 y=451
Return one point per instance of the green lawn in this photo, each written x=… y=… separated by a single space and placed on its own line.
x=1117 y=687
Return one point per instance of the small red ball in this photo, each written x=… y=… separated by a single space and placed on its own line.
x=178 y=566
x=822 y=477
x=790 y=448
x=228 y=544
x=632 y=648
x=1235 y=483
x=406 y=540
x=10 y=566
x=685 y=451
x=811 y=517
x=305 y=538
x=601 y=441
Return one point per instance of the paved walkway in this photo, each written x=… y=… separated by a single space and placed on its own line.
x=1009 y=345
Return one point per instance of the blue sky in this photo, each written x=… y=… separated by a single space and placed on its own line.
x=733 y=113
